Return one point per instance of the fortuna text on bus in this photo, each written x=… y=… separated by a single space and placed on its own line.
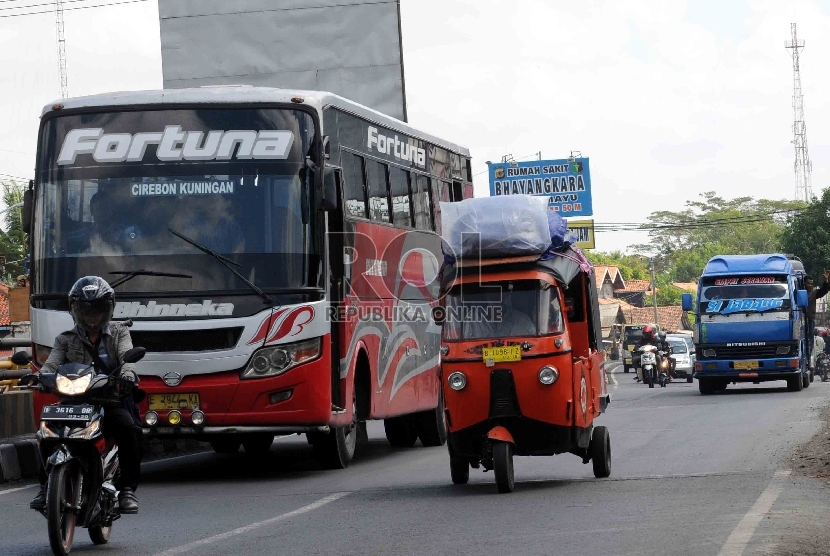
x=394 y=146
x=176 y=145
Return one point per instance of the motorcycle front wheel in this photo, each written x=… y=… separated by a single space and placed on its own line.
x=60 y=519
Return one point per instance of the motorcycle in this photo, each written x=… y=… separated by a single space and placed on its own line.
x=82 y=466
x=665 y=369
x=648 y=364
x=823 y=365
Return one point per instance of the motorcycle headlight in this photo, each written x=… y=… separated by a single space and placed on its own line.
x=88 y=432
x=273 y=361
x=70 y=387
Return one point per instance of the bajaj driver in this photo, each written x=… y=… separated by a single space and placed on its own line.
x=97 y=340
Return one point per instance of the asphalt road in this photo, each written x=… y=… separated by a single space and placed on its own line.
x=690 y=475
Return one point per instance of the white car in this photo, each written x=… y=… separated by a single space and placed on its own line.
x=683 y=351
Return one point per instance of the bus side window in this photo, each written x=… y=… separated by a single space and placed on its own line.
x=440 y=192
x=401 y=206
x=457 y=192
x=378 y=192
x=420 y=202
x=354 y=189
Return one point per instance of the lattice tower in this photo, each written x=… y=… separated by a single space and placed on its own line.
x=61 y=47
x=803 y=166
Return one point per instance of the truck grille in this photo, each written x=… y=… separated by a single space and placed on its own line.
x=214 y=339
x=744 y=352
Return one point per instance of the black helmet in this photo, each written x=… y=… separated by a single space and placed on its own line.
x=91 y=303
x=662 y=334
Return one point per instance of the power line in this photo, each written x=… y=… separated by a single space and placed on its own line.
x=108 y=4
x=41 y=5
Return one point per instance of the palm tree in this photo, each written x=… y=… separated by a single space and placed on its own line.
x=14 y=243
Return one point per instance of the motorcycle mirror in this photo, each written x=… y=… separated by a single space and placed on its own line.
x=134 y=355
x=21 y=358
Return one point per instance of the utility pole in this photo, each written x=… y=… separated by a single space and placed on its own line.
x=803 y=166
x=654 y=294
x=61 y=47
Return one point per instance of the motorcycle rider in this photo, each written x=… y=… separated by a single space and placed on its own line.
x=96 y=340
x=813 y=295
x=665 y=347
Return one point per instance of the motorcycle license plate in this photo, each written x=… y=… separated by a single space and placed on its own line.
x=173 y=401
x=746 y=364
x=67 y=412
x=502 y=354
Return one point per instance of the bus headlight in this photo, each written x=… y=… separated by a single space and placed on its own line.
x=273 y=361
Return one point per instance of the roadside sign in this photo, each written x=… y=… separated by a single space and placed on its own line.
x=566 y=183
x=582 y=232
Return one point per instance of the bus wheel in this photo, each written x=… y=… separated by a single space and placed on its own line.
x=503 y=466
x=258 y=443
x=432 y=425
x=400 y=431
x=334 y=450
x=225 y=445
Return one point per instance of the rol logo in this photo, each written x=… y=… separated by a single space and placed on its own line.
x=583 y=397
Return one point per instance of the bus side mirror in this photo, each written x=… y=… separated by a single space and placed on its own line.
x=331 y=185
x=802 y=298
x=687 y=301
x=26 y=217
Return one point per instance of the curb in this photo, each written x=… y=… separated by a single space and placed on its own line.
x=20 y=460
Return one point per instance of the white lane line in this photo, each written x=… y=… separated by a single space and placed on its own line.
x=248 y=528
x=740 y=537
x=18 y=489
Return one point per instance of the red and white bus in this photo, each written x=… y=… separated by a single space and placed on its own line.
x=274 y=250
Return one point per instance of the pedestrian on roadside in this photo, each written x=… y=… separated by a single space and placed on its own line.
x=810 y=312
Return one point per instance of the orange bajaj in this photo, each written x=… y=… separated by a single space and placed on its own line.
x=522 y=366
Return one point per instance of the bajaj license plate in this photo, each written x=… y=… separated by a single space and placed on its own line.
x=67 y=412
x=173 y=401
x=502 y=354
x=746 y=365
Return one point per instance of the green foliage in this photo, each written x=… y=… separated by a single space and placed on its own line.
x=808 y=235
x=13 y=241
x=632 y=267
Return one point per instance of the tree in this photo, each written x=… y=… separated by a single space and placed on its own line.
x=808 y=235
x=14 y=243
x=682 y=242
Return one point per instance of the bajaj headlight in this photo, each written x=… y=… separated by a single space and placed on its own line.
x=70 y=387
x=273 y=361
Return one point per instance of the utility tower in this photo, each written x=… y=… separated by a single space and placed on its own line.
x=803 y=166
x=61 y=47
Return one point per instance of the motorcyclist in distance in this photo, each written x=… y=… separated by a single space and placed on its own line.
x=649 y=337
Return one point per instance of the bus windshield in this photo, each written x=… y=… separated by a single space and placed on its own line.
x=112 y=186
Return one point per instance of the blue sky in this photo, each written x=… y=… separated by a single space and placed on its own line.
x=668 y=99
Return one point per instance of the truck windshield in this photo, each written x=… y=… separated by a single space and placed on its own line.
x=496 y=310
x=112 y=185
x=746 y=294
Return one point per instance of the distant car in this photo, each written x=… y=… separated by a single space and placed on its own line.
x=683 y=351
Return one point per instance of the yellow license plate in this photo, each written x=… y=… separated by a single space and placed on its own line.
x=746 y=364
x=173 y=401
x=502 y=354
x=628 y=360
x=631 y=347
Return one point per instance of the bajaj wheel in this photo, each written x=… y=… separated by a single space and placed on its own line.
x=100 y=534
x=459 y=470
x=601 y=452
x=503 y=466
x=61 y=496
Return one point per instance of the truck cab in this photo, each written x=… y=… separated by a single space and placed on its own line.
x=750 y=324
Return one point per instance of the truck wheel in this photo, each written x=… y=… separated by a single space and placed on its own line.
x=805 y=379
x=503 y=466
x=400 y=431
x=705 y=386
x=626 y=368
x=432 y=425
x=795 y=384
x=601 y=452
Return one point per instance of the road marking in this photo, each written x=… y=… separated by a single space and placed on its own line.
x=740 y=537
x=253 y=526
x=18 y=489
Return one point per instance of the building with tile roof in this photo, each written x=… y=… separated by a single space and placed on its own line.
x=670 y=318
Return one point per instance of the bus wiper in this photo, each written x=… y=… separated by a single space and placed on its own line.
x=227 y=263
x=130 y=274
